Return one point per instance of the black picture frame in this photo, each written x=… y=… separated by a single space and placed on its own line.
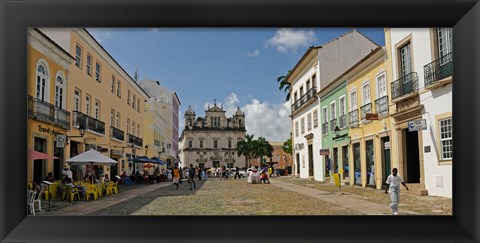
x=16 y=16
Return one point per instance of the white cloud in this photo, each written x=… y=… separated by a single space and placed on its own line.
x=253 y=53
x=101 y=34
x=268 y=120
x=286 y=40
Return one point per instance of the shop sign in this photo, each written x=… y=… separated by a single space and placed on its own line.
x=417 y=125
x=371 y=116
x=387 y=145
x=61 y=139
x=324 y=152
x=48 y=130
x=117 y=153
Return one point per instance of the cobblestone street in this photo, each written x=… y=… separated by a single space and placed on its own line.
x=284 y=196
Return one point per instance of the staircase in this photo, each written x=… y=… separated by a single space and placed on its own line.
x=415 y=189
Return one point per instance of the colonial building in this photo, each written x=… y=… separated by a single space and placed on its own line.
x=419 y=68
x=319 y=66
x=103 y=98
x=47 y=76
x=211 y=141
x=168 y=103
x=281 y=159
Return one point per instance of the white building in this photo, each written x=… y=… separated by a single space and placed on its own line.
x=319 y=66
x=421 y=67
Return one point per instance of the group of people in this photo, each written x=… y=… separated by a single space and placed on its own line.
x=258 y=176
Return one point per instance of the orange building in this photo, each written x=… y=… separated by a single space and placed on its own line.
x=280 y=159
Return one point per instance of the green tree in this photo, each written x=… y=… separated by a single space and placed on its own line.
x=246 y=147
x=284 y=84
x=263 y=148
x=287 y=145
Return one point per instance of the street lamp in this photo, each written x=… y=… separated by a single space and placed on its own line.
x=82 y=133
x=146 y=150
x=338 y=135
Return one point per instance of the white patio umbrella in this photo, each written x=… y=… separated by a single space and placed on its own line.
x=91 y=157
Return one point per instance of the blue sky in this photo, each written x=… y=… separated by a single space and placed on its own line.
x=235 y=66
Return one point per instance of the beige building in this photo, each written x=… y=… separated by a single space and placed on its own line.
x=103 y=98
x=211 y=141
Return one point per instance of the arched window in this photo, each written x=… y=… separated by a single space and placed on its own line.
x=59 y=90
x=42 y=81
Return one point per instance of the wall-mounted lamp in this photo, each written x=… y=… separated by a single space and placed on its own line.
x=338 y=135
x=146 y=150
x=82 y=129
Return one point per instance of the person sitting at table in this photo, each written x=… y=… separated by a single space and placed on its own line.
x=106 y=179
x=67 y=181
x=49 y=177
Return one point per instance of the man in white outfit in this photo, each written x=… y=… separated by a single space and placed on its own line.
x=394 y=181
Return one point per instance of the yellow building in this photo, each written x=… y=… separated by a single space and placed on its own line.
x=47 y=75
x=104 y=98
x=154 y=132
x=367 y=92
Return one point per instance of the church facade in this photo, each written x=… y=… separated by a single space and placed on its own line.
x=211 y=141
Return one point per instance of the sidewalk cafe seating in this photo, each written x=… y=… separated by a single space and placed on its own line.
x=31 y=197
x=111 y=187
x=70 y=193
x=91 y=190
x=50 y=191
x=37 y=198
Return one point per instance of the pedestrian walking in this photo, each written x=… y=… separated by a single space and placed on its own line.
x=237 y=173
x=394 y=180
x=191 y=176
x=176 y=176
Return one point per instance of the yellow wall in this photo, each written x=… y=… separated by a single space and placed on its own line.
x=33 y=129
x=371 y=129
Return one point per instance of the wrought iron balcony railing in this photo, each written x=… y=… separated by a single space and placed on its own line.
x=366 y=109
x=135 y=140
x=333 y=124
x=353 y=117
x=41 y=110
x=62 y=118
x=89 y=122
x=117 y=133
x=438 y=69
x=325 y=128
x=343 y=121
x=381 y=105
x=304 y=99
x=405 y=85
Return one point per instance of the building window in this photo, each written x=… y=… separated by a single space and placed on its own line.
x=343 y=107
x=215 y=144
x=118 y=89
x=112 y=117
x=308 y=85
x=42 y=77
x=301 y=91
x=405 y=60
x=138 y=130
x=446 y=140
x=190 y=144
x=296 y=129
x=128 y=97
x=366 y=93
x=128 y=125
x=302 y=122
x=309 y=121
x=78 y=56
x=138 y=104
x=314 y=80
x=133 y=128
x=201 y=143
x=133 y=101
x=315 y=118
x=333 y=111
x=89 y=65
x=87 y=104
x=97 y=109
x=98 y=72
x=118 y=120
x=324 y=120
x=229 y=143
x=76 y=99
x=113 y=84
x=353 y=100
x=295 y=98
x=444 y=41
x=59 y=89
x=381 y=86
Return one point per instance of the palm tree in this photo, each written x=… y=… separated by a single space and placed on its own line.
x=284 y=84
x=264 y=148
x=287 y=145
x=246 y=147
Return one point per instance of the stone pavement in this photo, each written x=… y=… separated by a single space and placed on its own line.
x=362 y=206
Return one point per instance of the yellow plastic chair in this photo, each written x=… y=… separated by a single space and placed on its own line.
x=53 y=190
x=30 y=186
x=115 y=187
x=91 y=189
x=72 y=192
x=100 y=188
x=109 y=188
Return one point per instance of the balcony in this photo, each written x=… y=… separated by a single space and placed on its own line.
x=135 y=140
x=62 y=118
x=365 y=109
x=117 y=133
x=333 y=124
x=405 y=85
x=343 y=121
x=89 y=122
x=41 y=110
x=381 y=105
x=304 y=99
x=325 y=128
x=438 y=69
x=353 y=118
